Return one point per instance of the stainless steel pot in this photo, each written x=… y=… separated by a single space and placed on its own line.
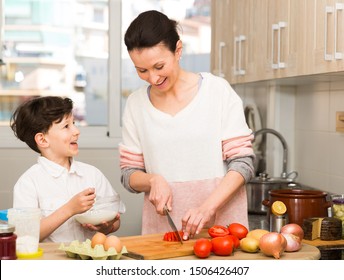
x=258 y=190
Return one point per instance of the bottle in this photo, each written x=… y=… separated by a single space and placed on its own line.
x=278 y=217
x=7 y=242
x=338 y=208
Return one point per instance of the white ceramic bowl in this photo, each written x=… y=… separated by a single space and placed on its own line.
x=104 y=209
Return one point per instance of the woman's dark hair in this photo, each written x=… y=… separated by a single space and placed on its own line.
x=149 y=29
x=38 y=115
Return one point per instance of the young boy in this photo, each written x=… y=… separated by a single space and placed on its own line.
x=60 y=186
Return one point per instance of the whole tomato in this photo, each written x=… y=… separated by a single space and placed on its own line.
x=238 y=230
x=236 y=241
x=202 y=248
x=217 y=231
x=222 y=246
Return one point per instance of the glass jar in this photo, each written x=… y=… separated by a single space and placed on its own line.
x=7 y=242
x=338 y=208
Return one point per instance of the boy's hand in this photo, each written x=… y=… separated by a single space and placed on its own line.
x=105 y=227
x=82 y=201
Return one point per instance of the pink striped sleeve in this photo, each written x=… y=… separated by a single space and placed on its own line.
x=237 y=147
x=129 y=159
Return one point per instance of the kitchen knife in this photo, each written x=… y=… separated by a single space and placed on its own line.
x=133 y=255
x=172 y=224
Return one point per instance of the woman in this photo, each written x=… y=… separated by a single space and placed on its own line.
x=185 y=144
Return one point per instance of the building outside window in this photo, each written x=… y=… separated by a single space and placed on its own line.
x=75 y=48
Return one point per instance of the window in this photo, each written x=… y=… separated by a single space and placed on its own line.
x=75 y=48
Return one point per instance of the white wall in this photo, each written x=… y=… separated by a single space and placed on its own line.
x=13 y=162
x=319 y=155
x=305 y=115
x=276 y=105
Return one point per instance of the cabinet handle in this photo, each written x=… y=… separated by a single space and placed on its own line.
x=277 y=28
x=281 y=25
x=241 y=70
x=328 y=10
x=339 y=7
x=237 y=55
x=221 y=46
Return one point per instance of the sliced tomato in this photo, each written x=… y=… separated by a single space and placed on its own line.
x=171 y=236
x=218 y=231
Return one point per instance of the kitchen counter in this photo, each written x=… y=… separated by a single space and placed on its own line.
x=51 y=252
x=152 y=247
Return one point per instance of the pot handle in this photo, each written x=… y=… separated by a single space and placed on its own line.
x=266 y=202
x=327 y=204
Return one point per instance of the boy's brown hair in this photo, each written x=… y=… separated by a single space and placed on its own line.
x=38 y=115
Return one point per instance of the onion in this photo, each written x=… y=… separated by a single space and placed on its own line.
x=293 y=242
x=293 y=229
x=273 y=244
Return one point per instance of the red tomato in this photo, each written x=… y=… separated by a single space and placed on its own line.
x=171 y=236
x=238 y=230
x=217 y=231
x=202 y=248
x=236 y=241
x=222 y=246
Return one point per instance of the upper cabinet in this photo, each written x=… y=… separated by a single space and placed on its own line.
x=221 y=34
x=256 y=40
x=327 y=43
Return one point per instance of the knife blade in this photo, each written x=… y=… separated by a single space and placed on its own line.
x=172 y=224
x=133 y=255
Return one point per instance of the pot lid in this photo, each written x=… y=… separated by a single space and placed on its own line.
x=295 y=193
x=264 y=178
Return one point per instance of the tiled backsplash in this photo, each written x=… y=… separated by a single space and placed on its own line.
x=305 y=115
x=319 y=149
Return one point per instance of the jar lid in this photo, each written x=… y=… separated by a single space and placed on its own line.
x=6 y=228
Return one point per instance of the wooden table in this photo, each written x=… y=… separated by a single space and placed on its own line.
x=308 y=252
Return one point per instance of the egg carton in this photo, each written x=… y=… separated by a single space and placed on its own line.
x=84 y=251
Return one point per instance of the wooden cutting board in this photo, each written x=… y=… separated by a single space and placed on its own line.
x=152 y=246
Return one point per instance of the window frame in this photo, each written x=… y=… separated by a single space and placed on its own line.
x=91 y=136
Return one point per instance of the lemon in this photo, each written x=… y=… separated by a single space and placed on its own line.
x=278 y=208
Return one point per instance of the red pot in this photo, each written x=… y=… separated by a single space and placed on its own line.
x=301 y=204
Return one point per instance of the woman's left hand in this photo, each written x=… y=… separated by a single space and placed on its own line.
x=194 y=220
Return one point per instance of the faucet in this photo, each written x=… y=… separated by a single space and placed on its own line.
x=284 y=144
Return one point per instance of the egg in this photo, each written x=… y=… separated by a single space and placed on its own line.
x=98 y=239
x=113 y=241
